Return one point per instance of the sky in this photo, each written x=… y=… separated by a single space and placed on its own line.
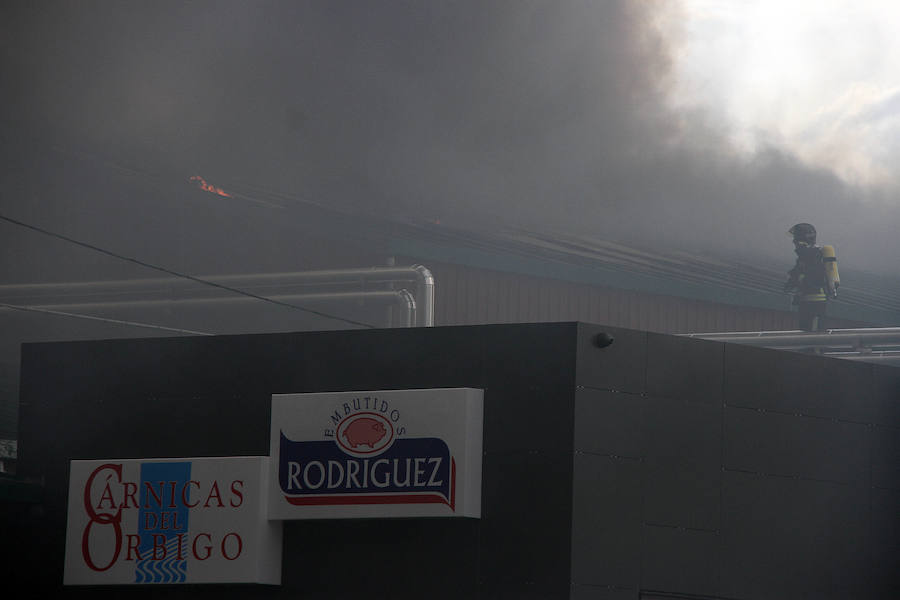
x=700 y=125
x=818 y=77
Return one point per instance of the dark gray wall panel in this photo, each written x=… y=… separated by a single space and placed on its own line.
x=330 y=362
x=682 y=496
x=683 y=462
x=808 y=384
x=680 y=443
x=530 y=384
x=606 y=521
x=847 y=393
x=525 y=544
x=763 y=378
x=608 y=422
x=788 y=538
x=598 y=592
x=887 y=395
x=681 y=560
x=371 y=544
x=620 y=366
x=683 y=433
x=683 y=369
x=796 y=446
x=886 y=457
x=884 y=552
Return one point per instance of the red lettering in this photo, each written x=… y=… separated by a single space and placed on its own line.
x=130 y=492
x=214 y=493
x=172 y=485
x=208 y=547
x=107 y=496
x=103 y=519
x=88 y=505
x=186 y=492
x=236 y=487
x=133 y=542
x=86 y=550
x=240 y=546
x=151 y=492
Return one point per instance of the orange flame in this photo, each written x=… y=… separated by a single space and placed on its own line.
x=201 y=183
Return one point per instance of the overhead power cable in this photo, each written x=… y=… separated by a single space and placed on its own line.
x=103 y=319
x=178 y=274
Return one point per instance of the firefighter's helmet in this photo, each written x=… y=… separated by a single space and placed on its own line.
x=803 y=232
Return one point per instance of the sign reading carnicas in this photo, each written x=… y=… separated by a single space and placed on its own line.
x=394 y=453
x=391 y=453
x=190 y=520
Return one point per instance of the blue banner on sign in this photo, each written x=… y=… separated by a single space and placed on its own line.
x=418 y=470
x=163 y=523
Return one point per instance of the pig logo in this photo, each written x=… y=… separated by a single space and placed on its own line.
x=364 y=431
x=365 y=434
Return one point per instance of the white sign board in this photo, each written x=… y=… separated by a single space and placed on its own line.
x=391 y=453
x=170 y=521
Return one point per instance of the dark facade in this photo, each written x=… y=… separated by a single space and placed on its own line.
x=655 y=465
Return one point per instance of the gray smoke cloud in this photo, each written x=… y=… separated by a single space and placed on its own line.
x=549 y=115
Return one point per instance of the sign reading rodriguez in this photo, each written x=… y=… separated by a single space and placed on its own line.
x=392 y=453
x=186 y=520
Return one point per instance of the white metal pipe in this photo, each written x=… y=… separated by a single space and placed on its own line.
x=425 y=283
x=402 y=298
x=14 y=293
x=409 y=303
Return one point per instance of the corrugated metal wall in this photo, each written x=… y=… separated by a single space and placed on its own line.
x=469 y=296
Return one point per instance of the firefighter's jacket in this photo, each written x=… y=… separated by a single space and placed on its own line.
x=807 y=280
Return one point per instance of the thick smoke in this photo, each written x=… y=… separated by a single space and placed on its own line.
x=541 y=115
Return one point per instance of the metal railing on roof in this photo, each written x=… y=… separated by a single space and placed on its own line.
x=874 y=344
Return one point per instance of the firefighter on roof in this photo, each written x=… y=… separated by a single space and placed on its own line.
x=814 y=279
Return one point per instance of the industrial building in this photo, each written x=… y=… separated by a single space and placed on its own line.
x=669 y=467
x=655 y=466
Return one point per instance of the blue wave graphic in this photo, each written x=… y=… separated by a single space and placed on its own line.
x=169 y=570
